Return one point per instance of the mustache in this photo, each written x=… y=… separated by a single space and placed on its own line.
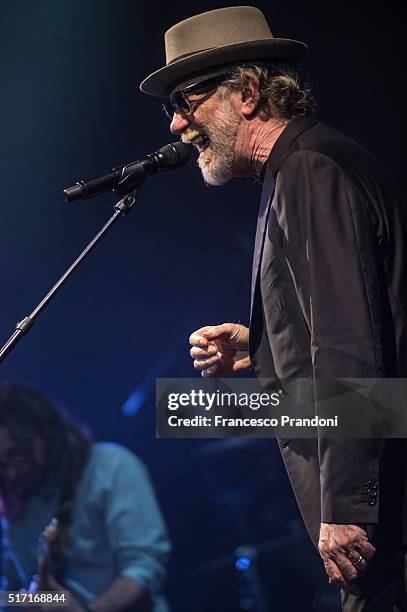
x=190 y=134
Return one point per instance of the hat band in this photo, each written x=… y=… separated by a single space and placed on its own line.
x=185 y=55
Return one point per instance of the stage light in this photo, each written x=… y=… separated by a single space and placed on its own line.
x=243 y=563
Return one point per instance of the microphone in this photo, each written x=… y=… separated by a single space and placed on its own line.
x=125 y=178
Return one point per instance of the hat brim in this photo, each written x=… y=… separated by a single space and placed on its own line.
x=164 y=81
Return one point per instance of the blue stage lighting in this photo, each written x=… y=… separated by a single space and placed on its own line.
x=243 y=563
x=134 y=403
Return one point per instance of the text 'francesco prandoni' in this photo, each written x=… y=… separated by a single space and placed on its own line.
x=212 y=402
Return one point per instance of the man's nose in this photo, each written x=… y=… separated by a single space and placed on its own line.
x=178 y=124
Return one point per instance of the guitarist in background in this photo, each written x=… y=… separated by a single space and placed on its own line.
x=110 y=548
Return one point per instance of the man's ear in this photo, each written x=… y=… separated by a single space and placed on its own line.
x=250 y=96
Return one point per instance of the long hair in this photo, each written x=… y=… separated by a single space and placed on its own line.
x=284 y=88
x=25 y=413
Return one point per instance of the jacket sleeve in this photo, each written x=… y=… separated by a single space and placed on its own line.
x=338 y=243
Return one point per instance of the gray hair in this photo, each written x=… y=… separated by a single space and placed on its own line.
x=283 y=88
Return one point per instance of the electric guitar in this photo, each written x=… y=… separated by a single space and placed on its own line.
x=45 y=542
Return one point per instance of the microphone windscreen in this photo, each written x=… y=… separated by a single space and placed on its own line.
x=175 y=155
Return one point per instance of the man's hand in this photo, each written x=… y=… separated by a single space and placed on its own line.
x=346 y=552
x=220 y=349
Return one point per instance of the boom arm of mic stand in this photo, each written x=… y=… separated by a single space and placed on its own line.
x=121 y=208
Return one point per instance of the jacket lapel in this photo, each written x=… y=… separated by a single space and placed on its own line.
x=280 y=151
x=266 y=197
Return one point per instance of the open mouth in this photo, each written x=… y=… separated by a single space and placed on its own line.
x=201 y=142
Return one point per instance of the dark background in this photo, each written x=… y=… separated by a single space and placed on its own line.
x=70 y=109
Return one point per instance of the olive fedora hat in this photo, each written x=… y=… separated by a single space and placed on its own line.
x=206 y=42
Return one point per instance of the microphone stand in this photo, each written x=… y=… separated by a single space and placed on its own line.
x=121 y=208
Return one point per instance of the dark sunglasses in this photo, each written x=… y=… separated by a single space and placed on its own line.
x=179 y=102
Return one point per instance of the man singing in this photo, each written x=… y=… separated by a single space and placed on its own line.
x=110 y=549
x=329 y=276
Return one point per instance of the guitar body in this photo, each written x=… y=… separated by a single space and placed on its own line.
x=45 y=543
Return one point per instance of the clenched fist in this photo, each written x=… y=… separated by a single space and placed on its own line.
x=220 y=349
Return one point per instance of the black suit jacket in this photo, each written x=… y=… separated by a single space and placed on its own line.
x=329 y=300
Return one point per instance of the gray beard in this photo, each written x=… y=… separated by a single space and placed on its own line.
x=222 y=132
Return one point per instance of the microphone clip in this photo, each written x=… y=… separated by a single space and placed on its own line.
x=126 y=204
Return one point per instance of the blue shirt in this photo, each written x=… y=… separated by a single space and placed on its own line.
x=117 y=528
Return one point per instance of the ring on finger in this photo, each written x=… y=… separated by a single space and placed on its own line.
x=358 y=561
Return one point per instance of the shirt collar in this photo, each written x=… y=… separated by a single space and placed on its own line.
x=282 y=146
